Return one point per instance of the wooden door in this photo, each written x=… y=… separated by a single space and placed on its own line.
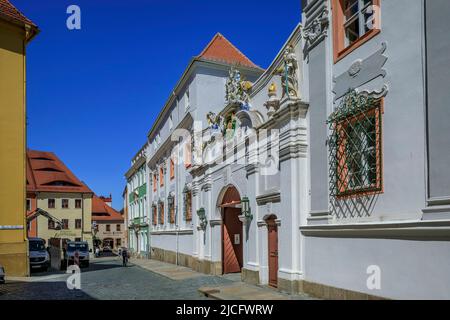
x=273 y=252
x=232 y=241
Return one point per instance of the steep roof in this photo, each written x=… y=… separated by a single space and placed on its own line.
x=47 y=173
x=11 y=13
x=221 y=50
x=102 y=212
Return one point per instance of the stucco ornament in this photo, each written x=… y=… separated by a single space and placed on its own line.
x=361 y=71
x=288 y=73
x=237 y=90
x=316 y=29
x=214 y=121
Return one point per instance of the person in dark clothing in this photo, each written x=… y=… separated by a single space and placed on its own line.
x=124 y=257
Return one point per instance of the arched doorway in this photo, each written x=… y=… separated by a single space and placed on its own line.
x=272 y=232
x=232 y=248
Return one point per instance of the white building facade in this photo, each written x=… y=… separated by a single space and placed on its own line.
x=137 y=205
x=325 y=173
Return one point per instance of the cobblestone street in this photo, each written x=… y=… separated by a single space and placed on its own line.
x=107 y=279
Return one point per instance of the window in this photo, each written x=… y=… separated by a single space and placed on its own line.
x=108 y=227
x=171 y=205
x=355 y=148
x=77 y=203
x=187 y=193
x=161 y=212
x=187 y=155
x=155 y=182
x=118 y=242
x=77 y=223
x=118 y=227
x=354 y=23
x=28 y=204
x=172 y=169
x=65 y=203
x=161 y=176
x=77 y=239
x=154 y=215
x=51 y=203
x=51 y=224
x=65 y=224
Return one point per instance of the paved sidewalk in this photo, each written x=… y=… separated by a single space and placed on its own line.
x=244 y=291
x=167 y=270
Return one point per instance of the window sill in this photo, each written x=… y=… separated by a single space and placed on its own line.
x=345 y=52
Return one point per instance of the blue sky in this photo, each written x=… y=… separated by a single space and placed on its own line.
x=94 y=93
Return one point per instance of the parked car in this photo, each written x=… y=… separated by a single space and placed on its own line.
x=2 y=274
x=80 y=248
x=39 y=257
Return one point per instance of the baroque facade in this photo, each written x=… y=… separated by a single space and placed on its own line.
x=324 y=173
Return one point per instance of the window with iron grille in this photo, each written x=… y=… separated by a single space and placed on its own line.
x=155 y=215
x=171 y=205
x=187 y=204
x=161 y=212
x=355 y=146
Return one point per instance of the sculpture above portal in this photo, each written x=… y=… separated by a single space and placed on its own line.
x=237 y=90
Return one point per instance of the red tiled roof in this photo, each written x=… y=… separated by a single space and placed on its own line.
x=102 y=212
x=221 y=50
x=46 y=172
x=12 y=13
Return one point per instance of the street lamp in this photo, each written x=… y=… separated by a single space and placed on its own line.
x=246 y=211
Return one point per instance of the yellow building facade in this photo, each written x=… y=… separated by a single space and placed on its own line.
x=15 y=32
x=79 y=219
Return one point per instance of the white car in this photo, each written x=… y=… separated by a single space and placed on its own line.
x=2 y=274
x=77 y=250
x=39 y=257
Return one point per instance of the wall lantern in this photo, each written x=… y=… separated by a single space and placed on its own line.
x=202 y=216
x=246 y=211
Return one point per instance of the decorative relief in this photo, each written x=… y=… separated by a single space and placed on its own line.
x=360 y=73
x=316 y=29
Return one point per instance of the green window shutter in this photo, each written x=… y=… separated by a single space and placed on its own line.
x=142 y=190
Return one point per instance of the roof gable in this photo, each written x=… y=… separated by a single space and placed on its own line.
x=102 y=212
x=221 y=50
